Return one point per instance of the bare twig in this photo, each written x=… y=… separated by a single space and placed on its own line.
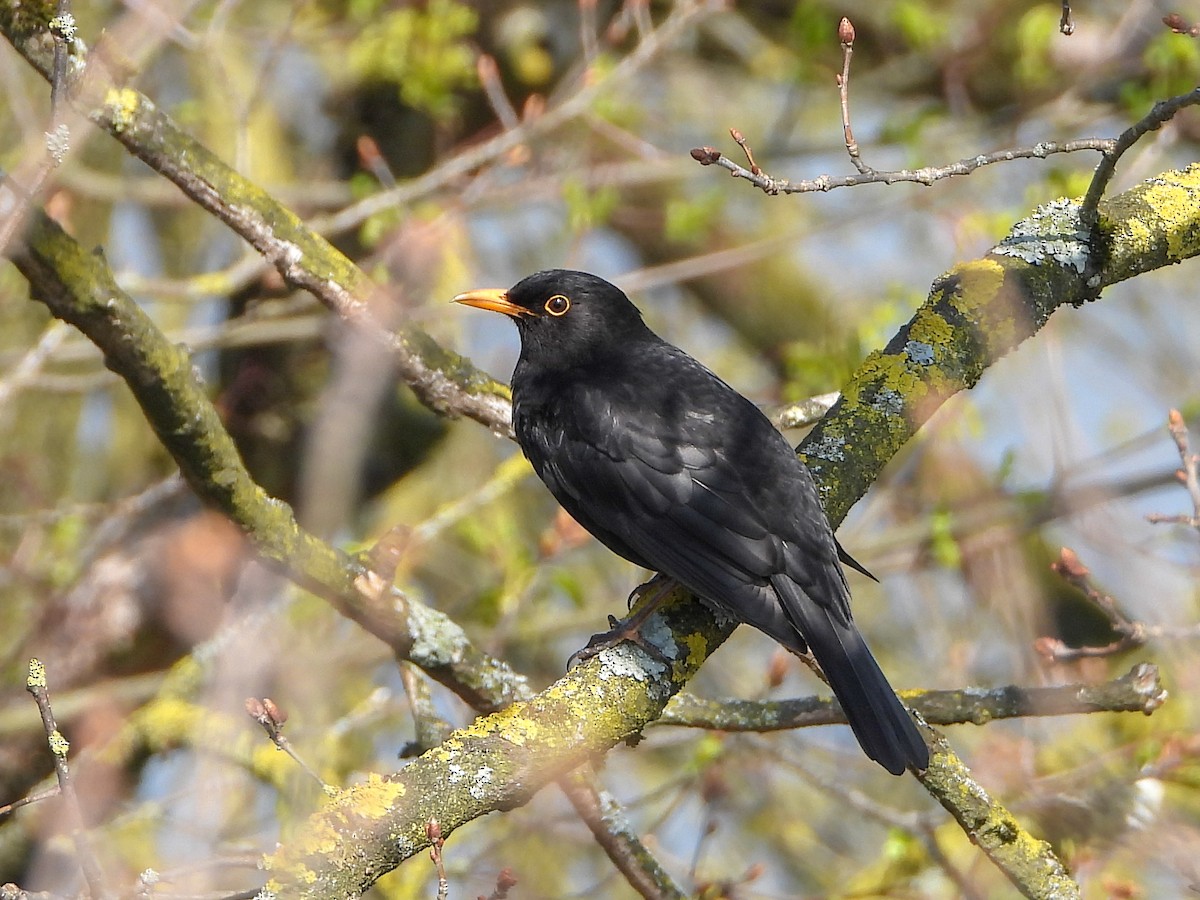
x=433 y=832
x=1111 y=148
x=36 y=684
x=740 y=139
x=62 y=28
x=493 y=89
x=9 y=808
x=1130 y=632
x=1180 y=25
x=587 y=30
x=383 y=558
x=372 y=159
x=1160 y=114
x=505 y=882
x=616 y=837
x=31 y=363
x=926 y=175
x=1189 y=474
x=640 y=10
x=846 y=37
x=271 y=717
x=1066 y=25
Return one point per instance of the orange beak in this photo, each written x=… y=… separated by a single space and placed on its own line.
x=495 y=299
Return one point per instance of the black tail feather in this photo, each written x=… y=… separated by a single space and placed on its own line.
x=884 y=728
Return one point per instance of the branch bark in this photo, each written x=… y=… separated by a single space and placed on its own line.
x=1138 y=690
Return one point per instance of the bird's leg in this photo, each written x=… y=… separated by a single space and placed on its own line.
x=628 y=629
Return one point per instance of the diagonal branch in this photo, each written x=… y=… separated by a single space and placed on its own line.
x=79 y=288
x=442 y=380
x=983 y=309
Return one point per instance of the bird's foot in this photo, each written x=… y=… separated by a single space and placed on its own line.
x=628 y=629
x=619 y=631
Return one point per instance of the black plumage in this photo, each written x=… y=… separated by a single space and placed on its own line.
x=676 y=471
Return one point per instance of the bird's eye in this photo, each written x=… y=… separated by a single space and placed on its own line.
x=557 y=305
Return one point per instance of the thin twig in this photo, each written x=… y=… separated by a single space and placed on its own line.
x=62 y=28
x=926 y=175
x=1066 y=25
x=383 y=559
x=9 y=808
x=1162 y=112
x=846 y=37
x=1180 y=25
x=31 y=363
x=1130 y=632
x=433 y=832
x=371 y=158
x=640 y=10
x=505 y=882
x=493 y=89
x=587 y=30
x=741 y=142
x=37 y=686
x=603 y=816
x=271 y=717
x=1189 y=474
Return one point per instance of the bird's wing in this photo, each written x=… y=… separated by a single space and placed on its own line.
x=670 y=491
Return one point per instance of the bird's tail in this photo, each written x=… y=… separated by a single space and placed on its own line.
x=884 y=728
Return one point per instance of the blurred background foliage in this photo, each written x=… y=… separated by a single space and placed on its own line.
x=155 y=625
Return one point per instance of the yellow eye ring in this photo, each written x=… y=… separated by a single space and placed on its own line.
x=558 y=305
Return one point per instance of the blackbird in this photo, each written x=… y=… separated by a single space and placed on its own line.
x=676 y=471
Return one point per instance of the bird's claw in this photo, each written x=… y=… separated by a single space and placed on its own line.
x=619 y=632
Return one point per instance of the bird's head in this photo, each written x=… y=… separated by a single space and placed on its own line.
x=564 y=316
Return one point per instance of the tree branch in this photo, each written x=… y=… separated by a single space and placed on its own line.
x=983 y=309
x=442 y=380
x=79 y=288
x=1139 y=690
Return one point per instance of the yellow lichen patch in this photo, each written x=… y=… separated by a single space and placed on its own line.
x=512 y=723
x=319 y=837
x=980 y=280
x=930 y=328
x=1175 y=204
x=697 y=650
x=1138 y=236
x=375 y=798
x=895 y=383
x=123 y=103
x=515 y=726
